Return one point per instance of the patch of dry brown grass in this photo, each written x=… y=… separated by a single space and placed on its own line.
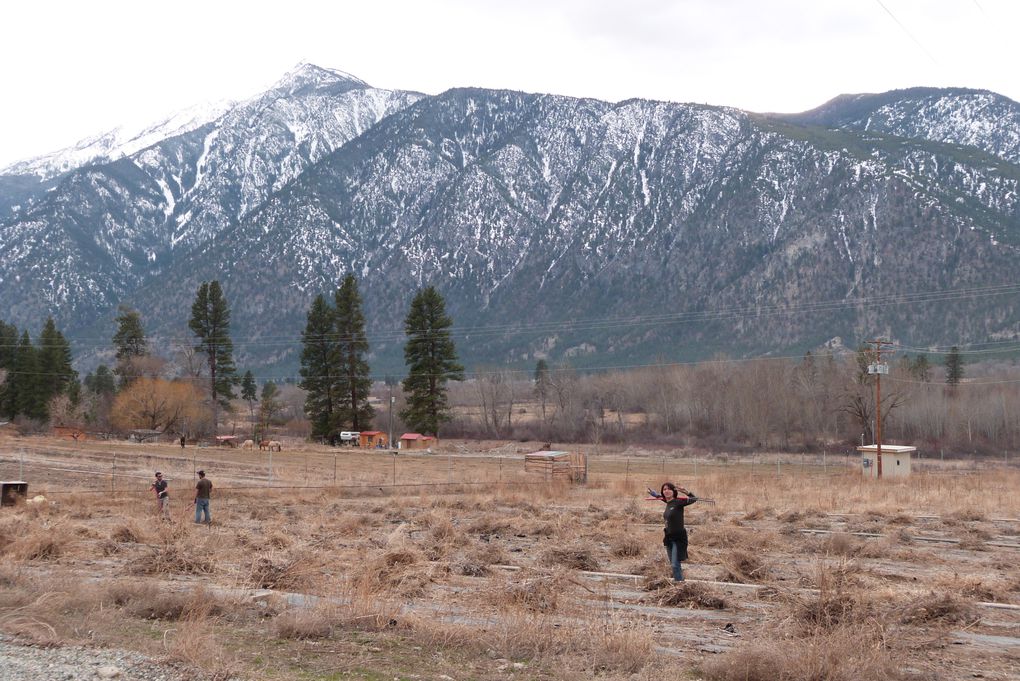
x=40 y=543
x=683 y=594
x=534 y=592
x=175 y=551
x=843 y=654
x=574 y=556
x=272 y=570
x=938 y=608
x=742 y=567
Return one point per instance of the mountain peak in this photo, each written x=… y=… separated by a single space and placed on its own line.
x=306 y=76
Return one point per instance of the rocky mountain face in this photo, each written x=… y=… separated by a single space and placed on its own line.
x=105 y=229
x=555 y=227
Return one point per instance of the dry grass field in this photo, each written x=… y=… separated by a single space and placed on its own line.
x=455 y=565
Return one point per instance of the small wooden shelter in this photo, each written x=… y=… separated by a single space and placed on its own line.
x=373 y=439
x=226 y=441
x=557 y=465
x=417 y=441
x=895 y=461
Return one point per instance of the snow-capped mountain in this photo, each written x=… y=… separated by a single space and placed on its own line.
x=117 y=143
x=106 y=228
x=975 y=118
x=553 y=225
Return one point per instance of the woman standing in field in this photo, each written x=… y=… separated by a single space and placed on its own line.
x=675 y=534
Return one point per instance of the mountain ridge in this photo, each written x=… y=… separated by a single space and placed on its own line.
x=533 y=211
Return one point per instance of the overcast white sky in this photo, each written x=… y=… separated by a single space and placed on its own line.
x=74 y=69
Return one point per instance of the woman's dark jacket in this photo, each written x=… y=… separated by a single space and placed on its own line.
x=675 y=532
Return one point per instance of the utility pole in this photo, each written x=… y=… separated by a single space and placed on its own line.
x=877 y=368
x=392 y=400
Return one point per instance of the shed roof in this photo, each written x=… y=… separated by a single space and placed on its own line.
x=890 y=449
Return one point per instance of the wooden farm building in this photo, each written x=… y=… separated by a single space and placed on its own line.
x=417 y=441
x=373 y=438
x=556 y=465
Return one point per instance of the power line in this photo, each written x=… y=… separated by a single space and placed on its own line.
x=907 y=31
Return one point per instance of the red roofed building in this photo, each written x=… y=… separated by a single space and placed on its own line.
x=417 y=441
x=372 y=438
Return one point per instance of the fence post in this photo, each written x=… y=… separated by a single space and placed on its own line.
x=113 y=473
x=394 y=468
x=334 y=470
x=500 y=468
x=270 y=467
x=779 y=466
x=628 y=472
x=306 y=470
x=21 y=466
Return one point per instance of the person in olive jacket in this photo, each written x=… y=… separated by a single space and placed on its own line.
x=674 y=533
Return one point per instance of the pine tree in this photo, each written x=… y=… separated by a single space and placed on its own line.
x=56 y=374
x=353 y=412
x=130 y=342
x=921 y=368
x=249 y=393
x=8 y=352
x=28 y=392
x=542 y=383
x=210 y=321
x=319 y=357
x=269 y=406
x=431 y=360
x=101 y=383
x=954 y=367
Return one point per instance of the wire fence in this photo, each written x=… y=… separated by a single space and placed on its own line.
x=126 y=469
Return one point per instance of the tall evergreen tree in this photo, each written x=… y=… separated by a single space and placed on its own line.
x=210 y=321
x=921 y=368
x=319 y=358
x=56 y=374
x=29 y=397
x=102 y=382
x=249 y=393
x=8 y=352
x=431 y=360
x=130 y=342
x=954 y=367
x=353 y=381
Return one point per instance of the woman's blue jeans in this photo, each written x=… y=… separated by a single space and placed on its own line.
x=673 y=555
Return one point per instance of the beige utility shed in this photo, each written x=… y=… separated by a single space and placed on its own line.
x=895 y=460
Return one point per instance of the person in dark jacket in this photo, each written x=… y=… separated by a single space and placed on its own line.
x=674 y=533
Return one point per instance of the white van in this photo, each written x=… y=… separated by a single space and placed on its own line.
x=350 y=437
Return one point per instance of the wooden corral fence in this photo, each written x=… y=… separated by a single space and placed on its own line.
x=556 y=465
